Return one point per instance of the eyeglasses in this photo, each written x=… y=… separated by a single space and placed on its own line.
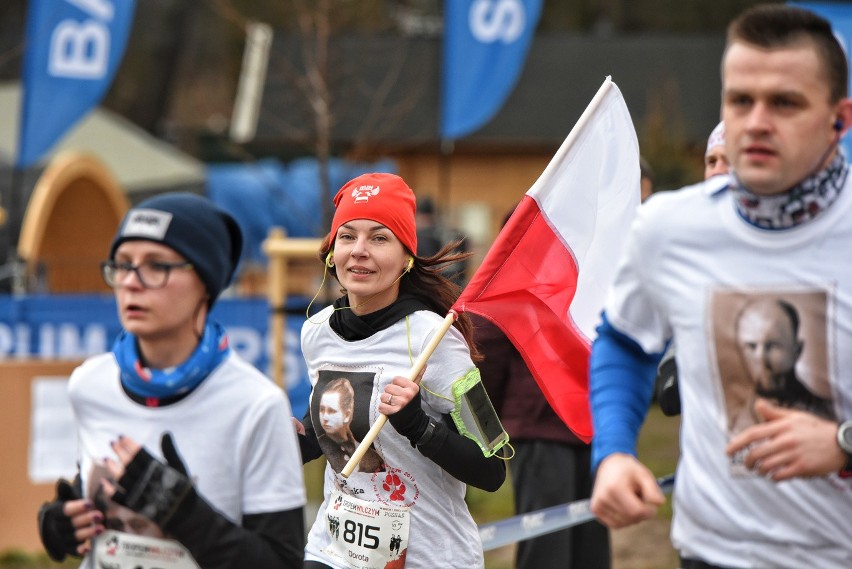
x=151 y=274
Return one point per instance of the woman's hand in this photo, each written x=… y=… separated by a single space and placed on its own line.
x=68 y=524
x=147 y=485
x=125 y=450
x=86 y=521
x=399 y=393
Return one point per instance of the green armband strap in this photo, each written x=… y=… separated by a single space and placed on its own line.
x=474 y=415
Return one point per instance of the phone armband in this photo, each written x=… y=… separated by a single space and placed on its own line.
x=474 y=415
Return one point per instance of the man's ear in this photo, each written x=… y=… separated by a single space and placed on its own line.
x=843 y=116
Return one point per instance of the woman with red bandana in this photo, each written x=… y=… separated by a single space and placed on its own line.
x=408 y=509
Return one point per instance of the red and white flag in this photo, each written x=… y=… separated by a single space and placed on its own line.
x=544 y=280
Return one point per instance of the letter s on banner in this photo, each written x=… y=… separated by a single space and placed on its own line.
x=485 y=46
x=502 y=20
x=73 y=50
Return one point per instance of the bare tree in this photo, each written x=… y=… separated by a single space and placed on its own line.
x=312 y=62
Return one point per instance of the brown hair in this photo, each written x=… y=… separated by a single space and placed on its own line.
x=343 y=386
x=426 y=281
x=774 y=26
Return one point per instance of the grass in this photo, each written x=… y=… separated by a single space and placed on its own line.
x=643 y=547
x=15 y=559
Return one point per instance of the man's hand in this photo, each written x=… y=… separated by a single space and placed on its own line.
x=625 y=492
x=789 y=444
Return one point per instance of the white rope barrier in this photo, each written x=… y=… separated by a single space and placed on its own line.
x=541 y=522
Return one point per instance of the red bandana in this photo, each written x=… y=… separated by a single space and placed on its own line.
x=383 y=198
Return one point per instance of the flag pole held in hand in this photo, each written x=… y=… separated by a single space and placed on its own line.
x=419 y=363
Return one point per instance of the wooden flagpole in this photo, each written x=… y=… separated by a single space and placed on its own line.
x=419 y=363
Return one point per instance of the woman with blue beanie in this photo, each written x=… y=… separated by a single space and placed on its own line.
x=173 y=427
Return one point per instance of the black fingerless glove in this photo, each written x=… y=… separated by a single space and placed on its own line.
x=54 y=527
x=410 y=421
x=154 y=489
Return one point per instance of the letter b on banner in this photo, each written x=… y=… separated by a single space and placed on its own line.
x=79 y=50
x=73 y=49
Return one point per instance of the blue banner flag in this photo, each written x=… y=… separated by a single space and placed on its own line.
x=840 y=16
x=485 y=46
x=73 y=49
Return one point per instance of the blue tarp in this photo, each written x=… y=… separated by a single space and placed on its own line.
x=268 y=193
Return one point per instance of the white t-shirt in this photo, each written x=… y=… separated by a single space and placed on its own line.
x=443 y=533
x=234 y=433
x=691 y=267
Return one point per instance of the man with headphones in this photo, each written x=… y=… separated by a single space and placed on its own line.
x=772 y=491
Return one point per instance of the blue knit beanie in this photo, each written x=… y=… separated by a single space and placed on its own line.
x=205 y=235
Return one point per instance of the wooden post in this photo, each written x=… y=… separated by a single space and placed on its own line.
x=279 y=249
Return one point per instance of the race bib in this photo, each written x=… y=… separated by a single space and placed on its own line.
x=119 y=550
x=367 y=535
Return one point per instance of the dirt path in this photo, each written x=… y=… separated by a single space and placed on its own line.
x=644 y=546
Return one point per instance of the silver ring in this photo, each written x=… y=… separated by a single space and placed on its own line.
x=390 y=399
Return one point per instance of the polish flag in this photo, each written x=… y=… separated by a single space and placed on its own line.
x=545 y=278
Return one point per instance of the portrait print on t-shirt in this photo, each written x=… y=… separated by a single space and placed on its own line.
x=340 y=412
x=771 y=345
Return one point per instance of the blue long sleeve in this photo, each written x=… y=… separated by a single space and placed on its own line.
x=621 y=385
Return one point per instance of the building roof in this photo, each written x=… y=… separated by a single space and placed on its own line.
x=140 y=162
